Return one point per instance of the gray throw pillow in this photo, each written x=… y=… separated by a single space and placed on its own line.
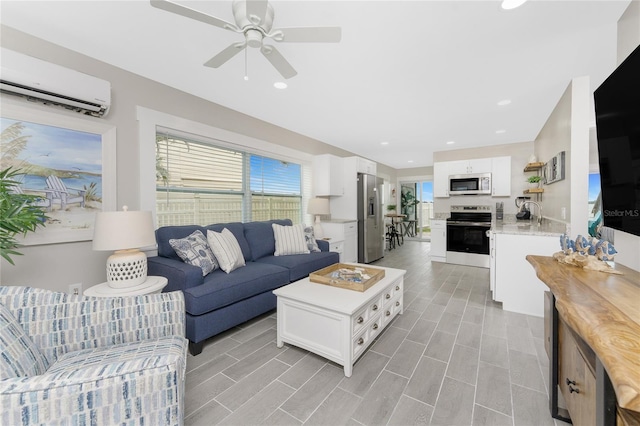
x=310 y=238
x=195 y=251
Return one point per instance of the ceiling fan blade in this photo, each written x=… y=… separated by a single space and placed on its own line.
x=256 y=11
x=307 y=34
x=225 y=55
x=278 y=61
x=193 y=14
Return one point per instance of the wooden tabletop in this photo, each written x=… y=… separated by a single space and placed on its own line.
x=604 y=309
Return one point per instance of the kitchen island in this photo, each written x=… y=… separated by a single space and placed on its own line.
x=513 y=282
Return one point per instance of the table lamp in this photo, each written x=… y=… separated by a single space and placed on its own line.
x=317 y=207
x=125 y=232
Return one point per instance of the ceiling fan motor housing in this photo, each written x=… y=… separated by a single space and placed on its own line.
x=259 y=23
x=253 y=37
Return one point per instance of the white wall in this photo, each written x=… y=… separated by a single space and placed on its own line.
x=567 y=129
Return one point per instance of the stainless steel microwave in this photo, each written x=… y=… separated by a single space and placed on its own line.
x=470 y=184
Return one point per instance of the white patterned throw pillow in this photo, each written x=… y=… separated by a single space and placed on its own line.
x=289 y=239
x=195 y=251
x=19 y=356
x=310 y=238
x=226 y=249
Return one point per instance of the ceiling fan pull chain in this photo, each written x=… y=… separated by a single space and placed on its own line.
x=246 y=73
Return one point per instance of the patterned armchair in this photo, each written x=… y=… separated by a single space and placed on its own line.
x=83 y=360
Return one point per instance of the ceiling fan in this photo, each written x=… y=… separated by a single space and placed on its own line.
x=254 y=19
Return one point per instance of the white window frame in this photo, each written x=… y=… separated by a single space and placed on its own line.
x=148 y=122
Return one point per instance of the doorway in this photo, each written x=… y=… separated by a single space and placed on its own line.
x=416 y=202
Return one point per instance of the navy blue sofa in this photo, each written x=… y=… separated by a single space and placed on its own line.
x=220 y=301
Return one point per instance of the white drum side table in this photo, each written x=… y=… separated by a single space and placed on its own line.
x=153 y=284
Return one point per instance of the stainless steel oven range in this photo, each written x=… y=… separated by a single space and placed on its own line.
x=468 y=236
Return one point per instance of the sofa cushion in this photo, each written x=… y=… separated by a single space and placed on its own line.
x=260 y=237
x=220 y=289
x=301 y=265
x=20 y=357
x=289 y=240
x=166 y=233
x=194 y=250
x=226 y=250
x=237 y=229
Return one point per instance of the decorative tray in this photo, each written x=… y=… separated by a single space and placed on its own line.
x=350 y=277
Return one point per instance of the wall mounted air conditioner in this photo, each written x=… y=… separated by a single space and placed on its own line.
x=49 y=83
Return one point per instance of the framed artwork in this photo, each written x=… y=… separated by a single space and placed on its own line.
x=68 y=162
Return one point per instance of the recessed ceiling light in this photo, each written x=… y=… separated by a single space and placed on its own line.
x=504 y=102
x=384 y=143
x=512 y=4
x=410 y=161
x=450 y=142
x=280 y=85
x=501 y=131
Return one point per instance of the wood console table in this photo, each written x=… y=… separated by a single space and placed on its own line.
x=603 y=311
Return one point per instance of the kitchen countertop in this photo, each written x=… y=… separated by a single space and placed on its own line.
x=339 y=220
x=528 y=227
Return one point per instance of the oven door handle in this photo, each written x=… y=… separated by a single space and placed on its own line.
x=455 y=223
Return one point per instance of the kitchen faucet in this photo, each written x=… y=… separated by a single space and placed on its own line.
x=524 y=203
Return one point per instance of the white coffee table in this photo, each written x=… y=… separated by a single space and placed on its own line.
x=336 y=323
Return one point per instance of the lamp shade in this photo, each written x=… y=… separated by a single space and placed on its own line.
x=318 y=206
x=123 y=230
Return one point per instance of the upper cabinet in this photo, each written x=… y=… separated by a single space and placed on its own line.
x=499 y=167
x=365 y=166
x=328 y=175
x=501 y=176
x=465 y=167
x=441 y=179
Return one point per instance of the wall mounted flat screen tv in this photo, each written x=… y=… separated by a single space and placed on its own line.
x=617 y=105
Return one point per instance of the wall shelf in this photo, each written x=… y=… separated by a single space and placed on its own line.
x=533 y=191
x=532 y=167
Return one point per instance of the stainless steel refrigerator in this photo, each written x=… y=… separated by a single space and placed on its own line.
x=370 y=220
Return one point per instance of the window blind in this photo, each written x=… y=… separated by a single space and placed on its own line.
x=200 y=183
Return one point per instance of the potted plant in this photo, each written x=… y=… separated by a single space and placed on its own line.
x=391 y=208
x=19 y=213
x=534 y=181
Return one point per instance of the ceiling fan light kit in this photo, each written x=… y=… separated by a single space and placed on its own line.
x=254 y=19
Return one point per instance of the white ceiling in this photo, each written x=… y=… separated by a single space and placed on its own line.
x=415 y=74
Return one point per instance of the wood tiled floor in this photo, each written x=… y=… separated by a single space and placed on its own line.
x=453 y=358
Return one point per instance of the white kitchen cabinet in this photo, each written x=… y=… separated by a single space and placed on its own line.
x=365 y=166
x=462 y=167
x=346 y=205
x=516 y=284
x=438 y=240
x=347 y=232
x=441 y=179
x=501 y=176
x=327 y=175
x=337 y=246
x=492 y=263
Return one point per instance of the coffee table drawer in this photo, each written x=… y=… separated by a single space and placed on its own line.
x=361 y=318
x=366 y=336
x=390 y=293
x=391 y=310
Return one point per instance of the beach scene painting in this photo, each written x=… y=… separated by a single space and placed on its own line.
x=64 y=168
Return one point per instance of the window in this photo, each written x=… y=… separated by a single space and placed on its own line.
x=200 y=183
